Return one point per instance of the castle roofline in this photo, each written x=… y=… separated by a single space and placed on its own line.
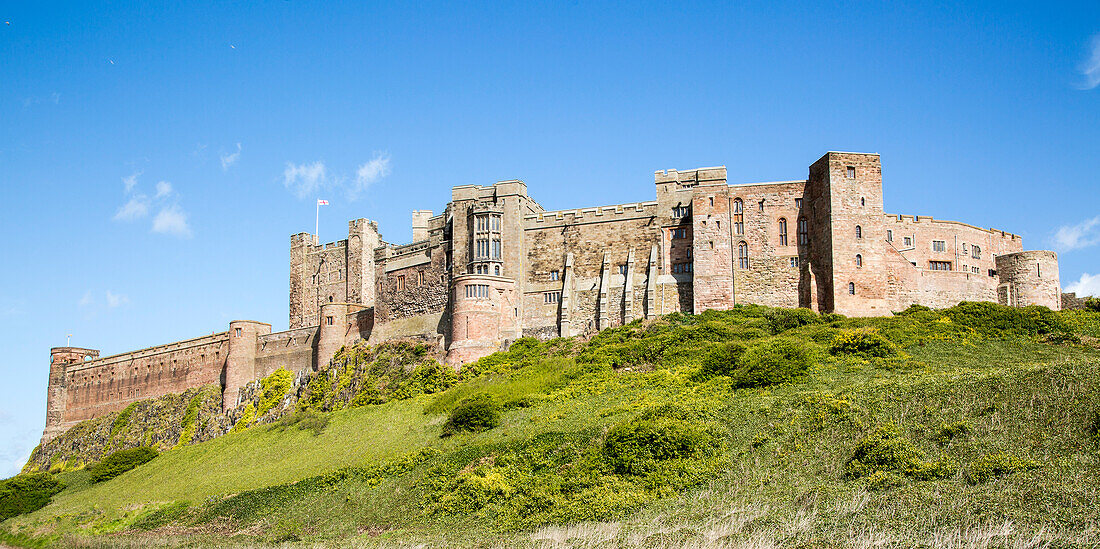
x=767 y=183
x=930 y=219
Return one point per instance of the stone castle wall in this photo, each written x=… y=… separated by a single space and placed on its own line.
x=494 y=265
x=91 y=388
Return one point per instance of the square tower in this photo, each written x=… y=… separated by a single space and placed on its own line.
x=848 y=234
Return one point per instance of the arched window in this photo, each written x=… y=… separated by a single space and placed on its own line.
x=803 y=231
x=738 y=216
x=743 y=255
x=782 y=231
x=859 y=231
x=859 y=260
x=851 y=288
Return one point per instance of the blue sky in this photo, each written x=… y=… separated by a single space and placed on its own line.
x=155 y=160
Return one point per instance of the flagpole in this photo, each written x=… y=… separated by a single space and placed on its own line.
x=317 y=223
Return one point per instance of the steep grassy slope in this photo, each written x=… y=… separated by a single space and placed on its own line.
x=976 y=426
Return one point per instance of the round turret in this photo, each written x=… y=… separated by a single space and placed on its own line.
x=1029 y=278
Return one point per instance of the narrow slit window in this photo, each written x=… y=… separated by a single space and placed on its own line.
x=743 y=255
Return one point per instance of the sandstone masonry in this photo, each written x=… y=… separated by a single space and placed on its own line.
x=495 y=266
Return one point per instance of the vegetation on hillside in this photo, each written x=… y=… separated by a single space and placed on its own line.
x=973 y=426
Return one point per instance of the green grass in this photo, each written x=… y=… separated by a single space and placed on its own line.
x=993 y=439
x=261 y=457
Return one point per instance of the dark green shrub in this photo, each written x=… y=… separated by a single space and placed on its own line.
x=997 y=464
x=1092 y=304
x=428 y=377
x=25 y=493
x=478 y=413
x=723 y=360
x=998 y=321
x=947 y=433
x=120 y=462
x=635 y=446
x=886 y=451
x=832 y=317
x=782 y=320
x=914 y=309
x=771 y=363
x=865 y=343
x=761 y=364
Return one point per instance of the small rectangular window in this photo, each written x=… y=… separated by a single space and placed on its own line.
x=551 y=297
x=889 y=235
x=554 y=275
x=851 y=172
x=798 y=203
x=622 y=269
x=679 y=233
x=908 y=242
x=238 y=332
x=939 y=246
x=329 y=320
x=794 y=262
x=975 y=252
x=400 y=282
x=681 y=211
x=939 y=265
x=681 y=267
x=761 y=203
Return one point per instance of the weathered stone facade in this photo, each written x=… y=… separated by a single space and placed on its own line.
x=495 y=266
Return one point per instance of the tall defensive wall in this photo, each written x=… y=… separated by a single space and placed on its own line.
x=494 y=265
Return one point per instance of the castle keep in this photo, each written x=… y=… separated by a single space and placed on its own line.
x=495 y=266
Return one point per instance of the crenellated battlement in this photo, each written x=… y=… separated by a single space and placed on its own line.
x=591 y=215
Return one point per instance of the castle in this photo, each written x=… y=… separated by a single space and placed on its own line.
x=495 y=266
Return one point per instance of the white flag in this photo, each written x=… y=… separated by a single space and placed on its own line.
x=322 y=202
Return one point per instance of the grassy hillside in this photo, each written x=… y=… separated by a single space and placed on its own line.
x=971 y=427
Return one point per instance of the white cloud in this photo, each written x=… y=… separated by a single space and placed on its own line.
x=304 y=179
x=1088 y=284
x=1081 y=235
x=114 y=300
x=130 y=180
x=87 y=299
x=1090 y=69
x=136 y=208
x=230 y=159
x=164 y=189
x=173 y=221
x=369 y=173
x=17 y=450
